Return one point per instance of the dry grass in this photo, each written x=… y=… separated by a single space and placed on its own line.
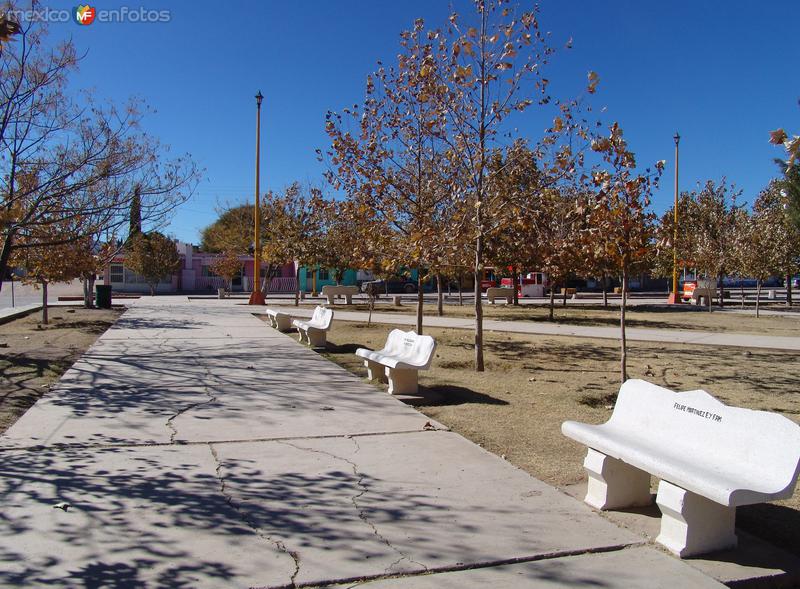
x=34 y=356
x=532 y=384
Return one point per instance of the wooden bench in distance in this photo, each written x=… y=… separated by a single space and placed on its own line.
x=279 y=320
x=314 y=330
x=708 y=456
x=400 y=360
x=493 y=293
x=331 y=291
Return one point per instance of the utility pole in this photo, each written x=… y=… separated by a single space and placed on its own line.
x=257 y=297
x=675 y=297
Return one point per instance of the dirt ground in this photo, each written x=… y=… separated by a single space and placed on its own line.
x=34 y=356
x=640 y=316
x=532 y=384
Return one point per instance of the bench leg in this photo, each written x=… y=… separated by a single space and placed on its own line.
x=692 y=524
x=301 y=335
x=316 y=337
x=402 y=381
x=375 y=371
x=613 y=484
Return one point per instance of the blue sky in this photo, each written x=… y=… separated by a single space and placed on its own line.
x=721 y=73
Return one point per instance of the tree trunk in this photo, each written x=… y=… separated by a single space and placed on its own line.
x=515 y=285
x=564 y=297
x=478 y=318
x=297 y=287
x=5 y=255
x=152 y=290
x=758 y=296
x=44 y=304
x=788 y=290
x=741 y=289
x=440 y=295
x=623 y=361
x=721 y=291
x=552 y=301
x=420 y=300
x=461 y=289
x=265 y=282
x=449 y=287
x=88 y=288
x=605 y=290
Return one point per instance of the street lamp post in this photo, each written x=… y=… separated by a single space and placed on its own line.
x=675 y=297
x=257 y=297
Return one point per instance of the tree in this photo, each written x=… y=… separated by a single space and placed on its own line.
x=710 y=222
x=790 y=144
x=757 y=255
x=232 y=231
x=294 y=232
x=45 y=265
x=516 y=240
x=393 y=164
x=227 y=266
x=135 y=227
x=620 y=216
x=67 y=159
x=340 y=245
x=154 y=257
x=495 y=69
x=772 y=221
x=558 y=232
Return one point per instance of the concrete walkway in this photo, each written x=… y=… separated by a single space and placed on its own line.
x=674 y=336
x=192 y=446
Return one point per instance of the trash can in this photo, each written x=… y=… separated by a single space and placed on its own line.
x=103 y=297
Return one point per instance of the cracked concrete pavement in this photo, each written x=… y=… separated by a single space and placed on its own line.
x=193 y=446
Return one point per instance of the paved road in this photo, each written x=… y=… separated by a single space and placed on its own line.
x=192 y=446
x=27 y=294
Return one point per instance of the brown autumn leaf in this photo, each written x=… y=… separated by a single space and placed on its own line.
x=594 y=79
x=777 y=137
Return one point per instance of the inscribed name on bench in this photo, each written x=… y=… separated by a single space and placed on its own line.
x=698 y=412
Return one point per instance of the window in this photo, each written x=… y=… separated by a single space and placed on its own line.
x=323 y=274
x=117 y=273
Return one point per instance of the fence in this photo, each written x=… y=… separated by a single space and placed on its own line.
x=283 y=284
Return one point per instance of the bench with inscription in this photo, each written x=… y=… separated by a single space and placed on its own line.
x=278 y=319
x=332 y=291
x=400 y=360
x=493 y=293
x=314 y=330
x=709 y=457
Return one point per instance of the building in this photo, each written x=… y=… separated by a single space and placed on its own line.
x=195 y=275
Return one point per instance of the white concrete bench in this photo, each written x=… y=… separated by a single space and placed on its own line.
x=400 y=360
x=314 y=330
x=493 y=293
x=708 y=456
x=331 y=291
x=278 y=319
x=702 y=295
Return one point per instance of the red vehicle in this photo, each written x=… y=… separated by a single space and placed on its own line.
x=688 y=290
x=532 y=285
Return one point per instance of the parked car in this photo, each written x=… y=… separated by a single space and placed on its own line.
x=395 y=285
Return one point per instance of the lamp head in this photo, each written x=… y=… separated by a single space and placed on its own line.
x=677 y=138
x=259 y=97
